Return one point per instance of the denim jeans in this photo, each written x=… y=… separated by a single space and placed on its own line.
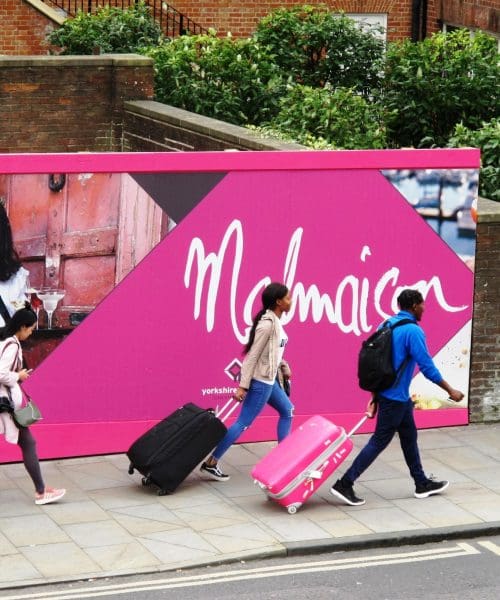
x=393 y=416
x=256 y=398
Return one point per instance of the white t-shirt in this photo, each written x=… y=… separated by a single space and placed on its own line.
x=13 y=290
x=283 y=342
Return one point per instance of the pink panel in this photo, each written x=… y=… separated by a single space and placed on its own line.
x=169 y=331
x=186 y=162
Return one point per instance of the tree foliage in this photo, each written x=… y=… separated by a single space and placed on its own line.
x=341 y=118
x=431 y=86
x=316 y=78
x=321 y=48
x=487 y=138
x=108 y=30
x=223 y=78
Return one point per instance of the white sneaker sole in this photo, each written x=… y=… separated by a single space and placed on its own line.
x=214 y=477
x=432 y=492
x=344 y=499
x=42 y=501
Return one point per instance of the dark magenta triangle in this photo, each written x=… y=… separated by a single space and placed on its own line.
x=177 y=193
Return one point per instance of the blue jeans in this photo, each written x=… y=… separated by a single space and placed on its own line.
x=392 y=416
x=256 y=398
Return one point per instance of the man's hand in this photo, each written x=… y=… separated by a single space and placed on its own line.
x=456 y=395
x=371 y=408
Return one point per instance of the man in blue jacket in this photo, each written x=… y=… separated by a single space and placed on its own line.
x=395 y=407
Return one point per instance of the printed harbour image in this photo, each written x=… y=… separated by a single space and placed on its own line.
x=163 y=268
x=447 y=201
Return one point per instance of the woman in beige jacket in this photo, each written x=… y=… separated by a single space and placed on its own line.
x=18 y=329
x=259 y=384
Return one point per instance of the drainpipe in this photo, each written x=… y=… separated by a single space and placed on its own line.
x=418 y=20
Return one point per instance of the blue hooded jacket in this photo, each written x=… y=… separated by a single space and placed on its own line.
x=409 y=341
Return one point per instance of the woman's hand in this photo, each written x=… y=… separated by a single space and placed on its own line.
x=23 y=374
x=285 y=370
x=240 y=394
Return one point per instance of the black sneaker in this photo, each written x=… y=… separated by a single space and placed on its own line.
x=214 y=472
x=430 y=487
x=346 y=494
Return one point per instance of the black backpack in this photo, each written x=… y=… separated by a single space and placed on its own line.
x=375 y=370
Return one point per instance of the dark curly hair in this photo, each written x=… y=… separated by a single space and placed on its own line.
x=408 y=298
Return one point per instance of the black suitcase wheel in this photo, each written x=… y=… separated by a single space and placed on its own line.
x=163 y=493
x=146 y=481
x=131 y=469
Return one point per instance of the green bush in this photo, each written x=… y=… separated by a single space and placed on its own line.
x=224 y=78
x=108 y=30
x=488 y=139
x=338 y=119
x=318 y=48
x=432 y=85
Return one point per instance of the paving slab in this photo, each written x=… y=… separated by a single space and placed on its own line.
x=110 y=524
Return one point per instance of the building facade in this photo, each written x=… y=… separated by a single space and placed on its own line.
x=25 y=23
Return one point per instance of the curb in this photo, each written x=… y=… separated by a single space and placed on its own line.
x=290 y=549
x=407 y=538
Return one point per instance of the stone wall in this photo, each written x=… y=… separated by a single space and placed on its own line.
x=156 y=127
x=69 y=104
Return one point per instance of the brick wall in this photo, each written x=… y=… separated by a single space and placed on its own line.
x=477 y=14
x=241 y=18
x=24 y=28
x=69 y=104
x=484 y=403
x=156 y=127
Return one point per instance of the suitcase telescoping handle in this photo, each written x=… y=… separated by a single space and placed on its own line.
x=227 y=410
x=357 y=426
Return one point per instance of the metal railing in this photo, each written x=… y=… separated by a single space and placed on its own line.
x=171 y=21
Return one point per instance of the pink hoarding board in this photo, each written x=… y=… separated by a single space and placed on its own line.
x=345 y=231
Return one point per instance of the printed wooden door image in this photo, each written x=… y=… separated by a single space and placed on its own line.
x=81 y=233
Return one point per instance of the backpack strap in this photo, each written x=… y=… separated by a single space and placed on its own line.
x=402 y=366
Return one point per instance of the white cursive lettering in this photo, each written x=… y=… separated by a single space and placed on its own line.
x=349 y=310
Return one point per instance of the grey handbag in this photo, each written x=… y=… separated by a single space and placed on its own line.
x=28 y=414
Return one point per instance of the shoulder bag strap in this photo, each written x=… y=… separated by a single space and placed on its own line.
x=3 y=311
x=17 y=354
x=9 y=395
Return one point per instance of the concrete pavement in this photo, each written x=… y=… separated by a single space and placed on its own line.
x=109 y=524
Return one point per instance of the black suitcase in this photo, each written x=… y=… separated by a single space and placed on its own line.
x=169 y=451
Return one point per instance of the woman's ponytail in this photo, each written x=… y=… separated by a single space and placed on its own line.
x=271 y=294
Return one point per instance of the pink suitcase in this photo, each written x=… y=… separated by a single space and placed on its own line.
x=295 y=469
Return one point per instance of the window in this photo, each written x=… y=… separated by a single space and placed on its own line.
x=379 y=20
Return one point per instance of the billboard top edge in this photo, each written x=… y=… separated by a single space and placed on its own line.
x=191 y=162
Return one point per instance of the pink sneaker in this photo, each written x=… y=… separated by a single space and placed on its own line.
x=49 y=495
